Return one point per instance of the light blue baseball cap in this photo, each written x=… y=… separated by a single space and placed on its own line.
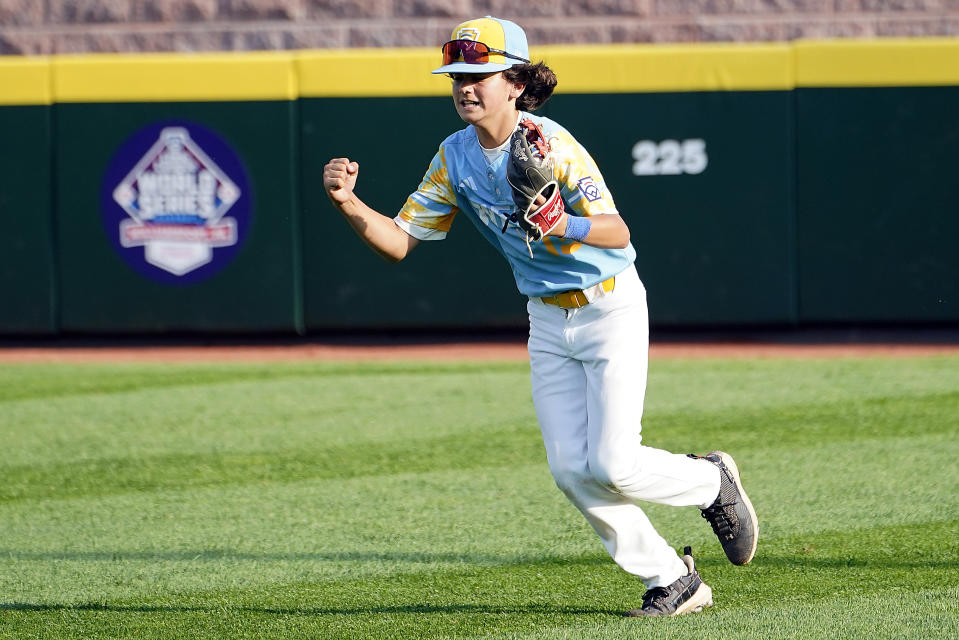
x=484 y=45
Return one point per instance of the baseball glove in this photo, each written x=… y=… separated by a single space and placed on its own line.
x=530 y=174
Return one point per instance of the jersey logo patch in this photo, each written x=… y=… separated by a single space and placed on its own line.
x=589 y=189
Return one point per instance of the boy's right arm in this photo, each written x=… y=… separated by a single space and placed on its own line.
x=378 y=231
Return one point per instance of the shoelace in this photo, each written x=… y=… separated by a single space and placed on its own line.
x=657 y=597
x=721 y=520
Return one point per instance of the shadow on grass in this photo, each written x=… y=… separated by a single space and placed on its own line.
x=315 y=611
x=838 y=561
x=217 y=555
x=847 y=561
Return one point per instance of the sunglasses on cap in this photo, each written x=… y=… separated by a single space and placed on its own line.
x=471 y=52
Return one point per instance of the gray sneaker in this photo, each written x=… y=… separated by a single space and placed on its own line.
x=732 y=516
x=687 y=594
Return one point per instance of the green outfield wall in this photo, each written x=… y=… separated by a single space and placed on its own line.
x=27 y=258
x=782 y=184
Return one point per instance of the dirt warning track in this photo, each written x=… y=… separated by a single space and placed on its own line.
x=441 y=350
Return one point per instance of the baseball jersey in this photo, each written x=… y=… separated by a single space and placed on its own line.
x=461 y=178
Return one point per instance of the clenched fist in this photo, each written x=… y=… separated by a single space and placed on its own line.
x=339 y=178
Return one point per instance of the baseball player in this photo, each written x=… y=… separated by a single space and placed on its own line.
x=538 y=197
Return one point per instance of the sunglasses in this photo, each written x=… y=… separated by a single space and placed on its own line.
x=471 y=52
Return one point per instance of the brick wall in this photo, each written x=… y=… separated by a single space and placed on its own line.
x=75 y=26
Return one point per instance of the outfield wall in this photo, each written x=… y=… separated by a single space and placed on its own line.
x=784 y=184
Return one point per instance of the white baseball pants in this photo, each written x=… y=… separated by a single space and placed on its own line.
x=589 y=383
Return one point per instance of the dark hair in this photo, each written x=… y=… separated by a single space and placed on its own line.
x=539 y=80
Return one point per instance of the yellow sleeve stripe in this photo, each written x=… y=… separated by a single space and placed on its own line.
x=440 y=223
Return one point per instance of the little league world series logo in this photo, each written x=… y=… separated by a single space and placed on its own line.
x=176 y=202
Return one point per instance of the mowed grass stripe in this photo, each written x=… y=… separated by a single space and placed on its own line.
x=800 y=424
x=710 y=384
x=832 y=489
x=921 y=615
x=586 y=592
x=290 y=413
x=820 y=488
x=702 y=383
x=499 y=445
x=425 y=522
x=883 y=558
x=517 y=444
x=28 y=381
x=284 y=411
x=851 y=466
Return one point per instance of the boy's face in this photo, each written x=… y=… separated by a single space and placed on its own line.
x=480 y=97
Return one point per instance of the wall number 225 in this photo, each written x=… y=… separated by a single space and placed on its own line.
x=669 y=157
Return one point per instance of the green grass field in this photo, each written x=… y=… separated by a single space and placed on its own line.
x=412 y=500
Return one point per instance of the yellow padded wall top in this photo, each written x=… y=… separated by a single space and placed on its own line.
x=584 y=69
x=406 y=72
x=370 y=73
x=886 y=62
x=174 y=77
x=25 y=81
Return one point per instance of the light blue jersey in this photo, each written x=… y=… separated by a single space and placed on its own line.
x=460 y=178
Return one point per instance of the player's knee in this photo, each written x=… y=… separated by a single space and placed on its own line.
x=569 y=474
x=612 y=471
